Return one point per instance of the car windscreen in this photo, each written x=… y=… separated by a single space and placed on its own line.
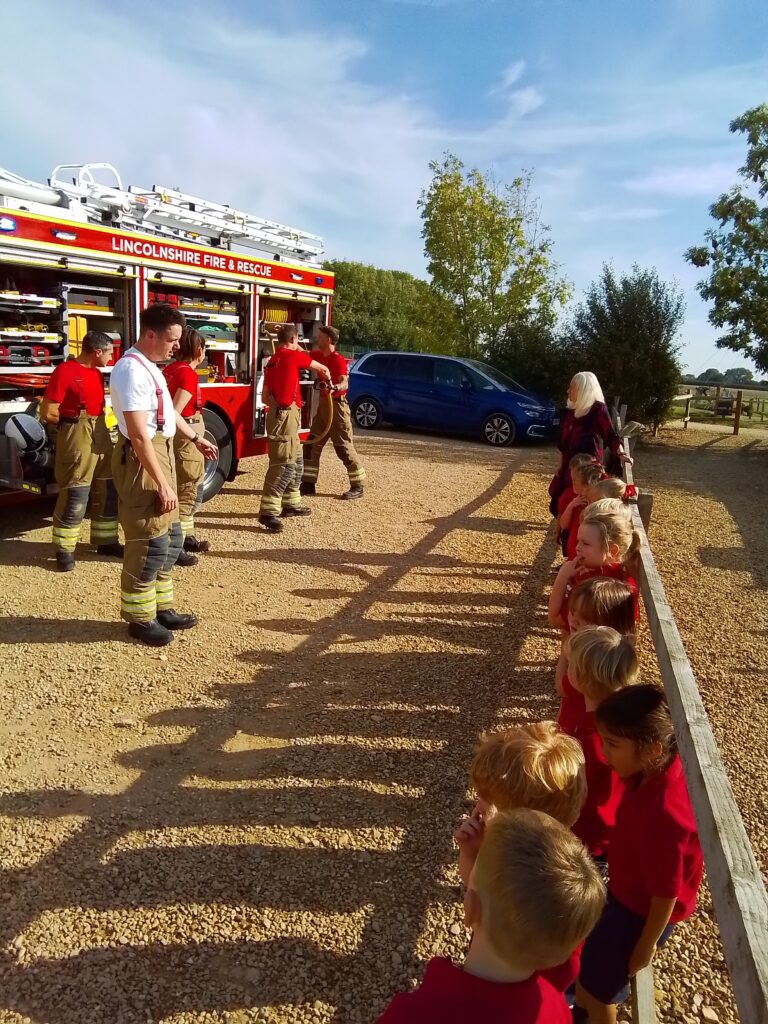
x=496 y=375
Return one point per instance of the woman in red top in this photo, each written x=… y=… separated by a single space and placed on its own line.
x=654 y=861
x=587 y=429
x=184 y=386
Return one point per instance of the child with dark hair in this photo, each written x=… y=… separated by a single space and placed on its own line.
x=654 y=861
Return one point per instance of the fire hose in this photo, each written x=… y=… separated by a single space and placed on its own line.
x=326 y=389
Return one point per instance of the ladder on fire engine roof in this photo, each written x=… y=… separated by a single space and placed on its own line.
x=163 y=211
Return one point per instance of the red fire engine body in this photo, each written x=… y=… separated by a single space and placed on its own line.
x=77 y=255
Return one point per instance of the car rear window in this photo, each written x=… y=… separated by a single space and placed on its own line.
x=377 y=366
x=413 y=368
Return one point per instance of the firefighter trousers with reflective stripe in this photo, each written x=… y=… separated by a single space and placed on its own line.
x=340 y=435
x=83 y=469
x=152 y=540
x=190 y=466
x=281 y=484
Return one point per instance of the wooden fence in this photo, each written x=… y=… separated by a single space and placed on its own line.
x=723 y=405
x=738 y=892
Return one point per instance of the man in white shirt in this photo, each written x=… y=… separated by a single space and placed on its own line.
x=144 y=474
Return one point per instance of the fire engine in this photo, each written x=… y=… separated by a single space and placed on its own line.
x=84 y=252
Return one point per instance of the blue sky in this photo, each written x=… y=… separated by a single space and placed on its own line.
x=326 y=114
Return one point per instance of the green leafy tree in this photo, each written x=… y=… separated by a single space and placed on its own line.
x=539 y=356
x=626 y=331
x=378 y=309
x=488 y=254
x=736 y=249
x=711 y=376
x=738 y=376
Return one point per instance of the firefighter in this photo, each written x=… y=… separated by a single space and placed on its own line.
x=333 y=420
x=74 y=404
x=184 y=387
x=145 y=478
x=282 y=394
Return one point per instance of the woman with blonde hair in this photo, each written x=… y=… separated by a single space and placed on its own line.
x=587 y=430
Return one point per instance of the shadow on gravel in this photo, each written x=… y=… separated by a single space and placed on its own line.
x=18 y=629
x=737 y=477
x=317 y=802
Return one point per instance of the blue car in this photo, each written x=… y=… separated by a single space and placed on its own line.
x=444 y=393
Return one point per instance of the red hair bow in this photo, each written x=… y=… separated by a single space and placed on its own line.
x=630 y=491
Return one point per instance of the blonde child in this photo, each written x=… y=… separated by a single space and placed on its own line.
x=533 y=895
x=600 y=601
x=600 y=662
x=534 y=766
x=654 y=862
x=585 y=474
x=607 y=546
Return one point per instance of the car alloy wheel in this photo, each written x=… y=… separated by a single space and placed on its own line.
x=498 y=430
x=367 y=414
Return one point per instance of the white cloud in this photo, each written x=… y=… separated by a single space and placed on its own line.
x=511 y=74
x=687 y=180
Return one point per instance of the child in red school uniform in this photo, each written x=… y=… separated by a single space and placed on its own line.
x=654 y=861
x=600 y=662
x=585 y=473
x=600 y=601
x=535 y=766
x=607 y=546
x=532 y=896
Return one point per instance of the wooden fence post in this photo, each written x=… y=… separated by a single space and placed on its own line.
x=737 y=419
x=687 y=415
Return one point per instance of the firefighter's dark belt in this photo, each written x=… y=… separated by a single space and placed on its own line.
x=283 y=408
x=73 y=419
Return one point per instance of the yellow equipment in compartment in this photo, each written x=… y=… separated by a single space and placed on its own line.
x=77 y=327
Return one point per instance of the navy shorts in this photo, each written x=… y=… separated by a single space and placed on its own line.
x=606 y=952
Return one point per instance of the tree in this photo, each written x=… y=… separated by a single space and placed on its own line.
x=736 y=249
x=488 y=254
x=376 y=309
x=537 y=355
x=739 y=376
x=625 y=331
x=711 y=376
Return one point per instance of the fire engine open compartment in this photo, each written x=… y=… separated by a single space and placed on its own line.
x=220 y=312
x=44 y=314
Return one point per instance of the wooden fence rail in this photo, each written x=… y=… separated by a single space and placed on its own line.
x=738 y=892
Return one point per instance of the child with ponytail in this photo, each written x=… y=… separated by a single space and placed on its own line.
x=585 y=475
x=654 y=859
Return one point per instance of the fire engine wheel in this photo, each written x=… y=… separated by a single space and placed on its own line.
x=217 y=471
x=368 y=413
x=499 y=430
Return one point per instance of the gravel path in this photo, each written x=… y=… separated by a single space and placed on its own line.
x=255 y=824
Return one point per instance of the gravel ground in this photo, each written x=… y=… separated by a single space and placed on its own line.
x=254 y=825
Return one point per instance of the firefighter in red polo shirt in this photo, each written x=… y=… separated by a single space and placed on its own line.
x=74 y=403
x=340 y=427
x=282 y=394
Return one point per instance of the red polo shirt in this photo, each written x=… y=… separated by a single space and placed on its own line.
x=281 y=374
x=337 y=366
x=604 y=787
x=74 y=387
x=571 y=707
x=655 y=849
x=449 y=995
x=564 y=975
x=613 y=570
x=181 y=377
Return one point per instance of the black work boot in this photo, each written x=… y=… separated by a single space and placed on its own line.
x=186 y=559
x=307 y=488
x=150 y=633
x=272 y=523
x=191 y=543
x=174 y=620
x=352 y=493
x=114 y=549
x=65 y=561
x=295 y=510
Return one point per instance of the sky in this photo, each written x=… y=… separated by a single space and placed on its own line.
x=325 y=114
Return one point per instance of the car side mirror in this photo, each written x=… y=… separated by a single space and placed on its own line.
x=466 y=385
